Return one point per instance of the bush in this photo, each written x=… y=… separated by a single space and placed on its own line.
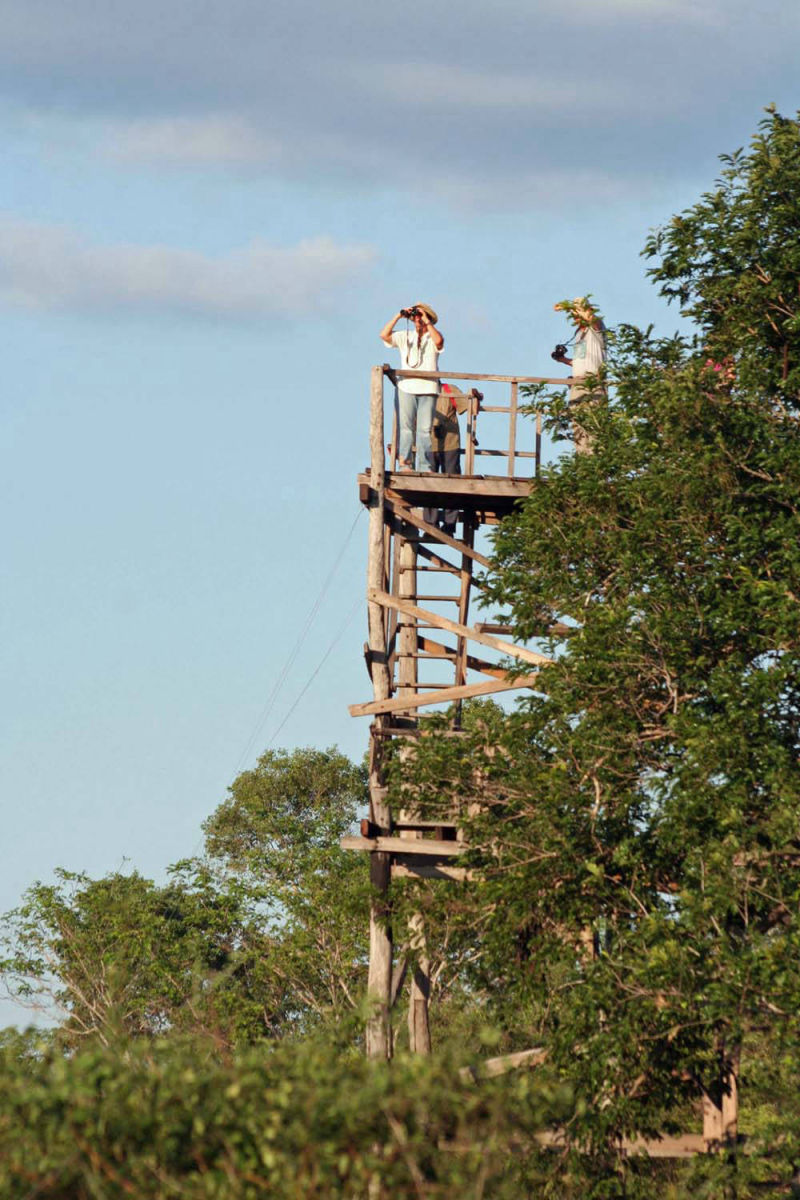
x=169 y=1119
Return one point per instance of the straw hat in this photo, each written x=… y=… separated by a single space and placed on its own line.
x=430 y=313
x=581 y=309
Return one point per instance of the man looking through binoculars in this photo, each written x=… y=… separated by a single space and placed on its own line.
x=416 y=398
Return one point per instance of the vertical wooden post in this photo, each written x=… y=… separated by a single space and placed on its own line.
x=407 y=626
x=379 y=983
x=463 y=603
x=538 y=460
x=512 y=428
x=393 y=445
x=469 y=447
x=419 y=1034
x=419 y=1030
x=721 y=1106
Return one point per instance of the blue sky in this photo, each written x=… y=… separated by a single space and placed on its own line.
x=208 y=211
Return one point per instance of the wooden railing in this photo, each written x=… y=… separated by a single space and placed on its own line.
x=471 y=448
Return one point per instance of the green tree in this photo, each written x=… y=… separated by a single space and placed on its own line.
x=122 y=955
x=263 y=939
x=733 y=262
x=279 y=830
x=649 y=789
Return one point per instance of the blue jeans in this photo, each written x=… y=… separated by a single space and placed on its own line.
x=415 y=415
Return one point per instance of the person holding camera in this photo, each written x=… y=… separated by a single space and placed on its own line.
x=588 y=358
x=416 y=398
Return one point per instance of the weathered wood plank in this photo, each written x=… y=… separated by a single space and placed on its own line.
x=444 y=695
x=685 y=1145
x=437 y=650
x=404 y=846
x=503 y=1063
x=411 y=516
x=379 y=979
x=410 y=820
x=439 y=563
x=431 y=871
x=419 y=1030
x=566 y=380
x=488 y=487
x=468 y=631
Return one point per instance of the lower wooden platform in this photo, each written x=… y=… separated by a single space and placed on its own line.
x=489 y=497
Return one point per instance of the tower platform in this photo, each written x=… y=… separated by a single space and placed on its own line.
x=489 y=498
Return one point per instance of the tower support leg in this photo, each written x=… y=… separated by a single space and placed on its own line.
x=419 y=1030
x=379 y=983
x=379 y=986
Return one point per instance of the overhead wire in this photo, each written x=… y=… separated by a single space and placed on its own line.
x=319 y=666
x=290 y=661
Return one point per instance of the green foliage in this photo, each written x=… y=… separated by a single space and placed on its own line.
x=635 y=834
x=167 y=1119
x=266 y=939
x=733 y=261
x=280 y=829
x=648 y=790
x=121 y=955
x=282 y=818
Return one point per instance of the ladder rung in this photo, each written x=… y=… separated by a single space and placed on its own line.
x=421 y=688
x=451 y=654
x=419 y=568
x=452 y=599
x=412 y=824
x=388 y=731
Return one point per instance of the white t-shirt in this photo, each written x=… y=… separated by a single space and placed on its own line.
x=413 y=357
x=589 y=352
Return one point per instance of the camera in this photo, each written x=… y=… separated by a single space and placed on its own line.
x=410 y=313
x=559 y=352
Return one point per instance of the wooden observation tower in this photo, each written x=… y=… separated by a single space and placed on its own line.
x=420 y=582
x=424 y=650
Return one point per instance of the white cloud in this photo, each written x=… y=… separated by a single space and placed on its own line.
x=216 y=139
x=319 y=93
x=544 y=189
x=425 y=85
x=51 y=267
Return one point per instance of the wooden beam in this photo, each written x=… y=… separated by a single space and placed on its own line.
x=398 y=976
x=685 y=1145
x=486 y=488
x=404 y=846
x=558 y=629
x=391 y=731
x=468 y=631
x=504 y=1063
x=565 y=380
x=431 y=871
x=445 y=695
x=406 y=819
x=720 y=1120
x=436 y=650
x=394 y=504
x=379 y=981
x=441 y=563
x=419 y=1029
